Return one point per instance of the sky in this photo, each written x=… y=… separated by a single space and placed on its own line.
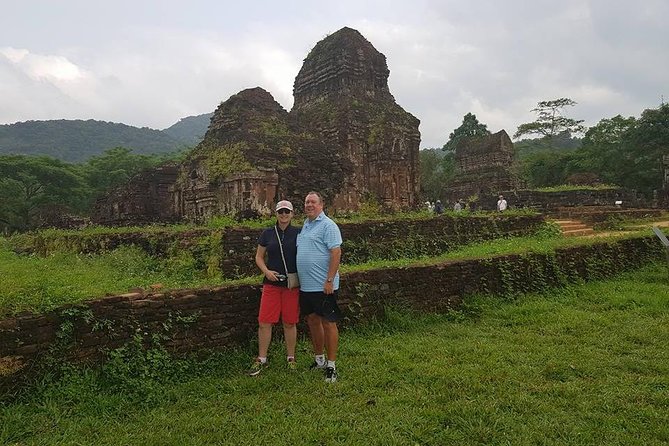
x=150 y=63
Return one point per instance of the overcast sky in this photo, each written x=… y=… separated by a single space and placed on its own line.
x=150 y=63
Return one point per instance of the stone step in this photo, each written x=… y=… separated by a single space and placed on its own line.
x=578 y=232
x=573 y=228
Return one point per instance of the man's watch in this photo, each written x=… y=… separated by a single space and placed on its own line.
x=329 y=280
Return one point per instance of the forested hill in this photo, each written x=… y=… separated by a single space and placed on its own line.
x=190 y=130
x=77 y=140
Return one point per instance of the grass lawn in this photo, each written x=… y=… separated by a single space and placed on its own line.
x=585 y=365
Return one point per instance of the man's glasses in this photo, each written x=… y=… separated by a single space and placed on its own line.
x=283 y=211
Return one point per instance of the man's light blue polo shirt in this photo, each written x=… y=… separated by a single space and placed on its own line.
x=314 y=243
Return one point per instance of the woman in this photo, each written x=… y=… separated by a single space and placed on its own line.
x=277 y=299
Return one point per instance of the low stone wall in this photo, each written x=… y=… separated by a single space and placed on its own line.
x=153 y=242
x=390 y=239
x=597 y=214
x=214 y=318
x=235 y=247
x=548 y=201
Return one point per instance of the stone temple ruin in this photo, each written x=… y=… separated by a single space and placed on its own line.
x=345 y=137
x=483 y=167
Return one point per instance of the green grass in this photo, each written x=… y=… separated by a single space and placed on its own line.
x=34 y=283
x=572 y=187
x=541 y=243
x=579 y=366
x=94 y=230
x=39 y=284
x=218 y=222
x=625 y=223
x=354 y=217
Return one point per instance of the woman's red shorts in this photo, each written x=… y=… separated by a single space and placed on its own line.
x=279 y=301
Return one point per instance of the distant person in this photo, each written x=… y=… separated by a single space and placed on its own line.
x=279 y=243
x=318 y=257
x=458 y=206
x=429 y=206
x=438 y=207
x=501 y=204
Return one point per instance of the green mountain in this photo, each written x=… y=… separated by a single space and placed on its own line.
x=78 y=140
x=190 y=130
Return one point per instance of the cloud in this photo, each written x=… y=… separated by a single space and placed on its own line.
x=446 y=58
x=55 y=69
x=154 y=80
x=34 y=86
x=164 y=75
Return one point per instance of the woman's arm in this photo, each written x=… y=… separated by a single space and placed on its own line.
x=260 y=261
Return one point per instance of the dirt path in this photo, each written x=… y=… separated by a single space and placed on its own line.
x=649 y=225
x=660 y=224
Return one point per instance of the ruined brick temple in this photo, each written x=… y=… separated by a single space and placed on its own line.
x=345 y=136
x=483 y=167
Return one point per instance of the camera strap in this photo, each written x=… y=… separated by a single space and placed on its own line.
x=285 y=268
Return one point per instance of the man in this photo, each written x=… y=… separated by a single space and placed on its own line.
x=318 y=256
x=501 y=203
x=458 y=206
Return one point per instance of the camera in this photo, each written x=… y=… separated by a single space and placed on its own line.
x=281 y=277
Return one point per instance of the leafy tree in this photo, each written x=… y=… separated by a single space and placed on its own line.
x=604 y=149
x=470 y=127
x=562 y=142
x=115 y=167
x=30 y=184
x=33 y=187
x=650 y=136
x=545 y=168
x=550 y=123
x=627 y=151
x=437 y=170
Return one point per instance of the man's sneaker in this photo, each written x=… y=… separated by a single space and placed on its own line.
x=292 y=365
x=330 y=375
x=316 y=366
x=257 y=367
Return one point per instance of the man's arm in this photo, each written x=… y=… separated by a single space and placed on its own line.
x=335 y=257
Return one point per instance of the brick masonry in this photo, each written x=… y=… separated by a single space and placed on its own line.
x=220 y=317
x=550 y=201
x=389 y=239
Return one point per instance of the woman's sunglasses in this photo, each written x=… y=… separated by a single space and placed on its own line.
x=283 y=211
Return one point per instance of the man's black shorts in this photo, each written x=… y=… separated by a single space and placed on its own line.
x=324 y=305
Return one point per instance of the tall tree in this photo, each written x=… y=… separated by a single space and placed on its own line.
x=627 y=151
x=605 y=150
x=436 y=170
x=545 y=168
x=470 y=127
x=114 y=167
x=550 y=122
x=30 y=184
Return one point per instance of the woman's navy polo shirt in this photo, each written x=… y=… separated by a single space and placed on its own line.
x=269 y=241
